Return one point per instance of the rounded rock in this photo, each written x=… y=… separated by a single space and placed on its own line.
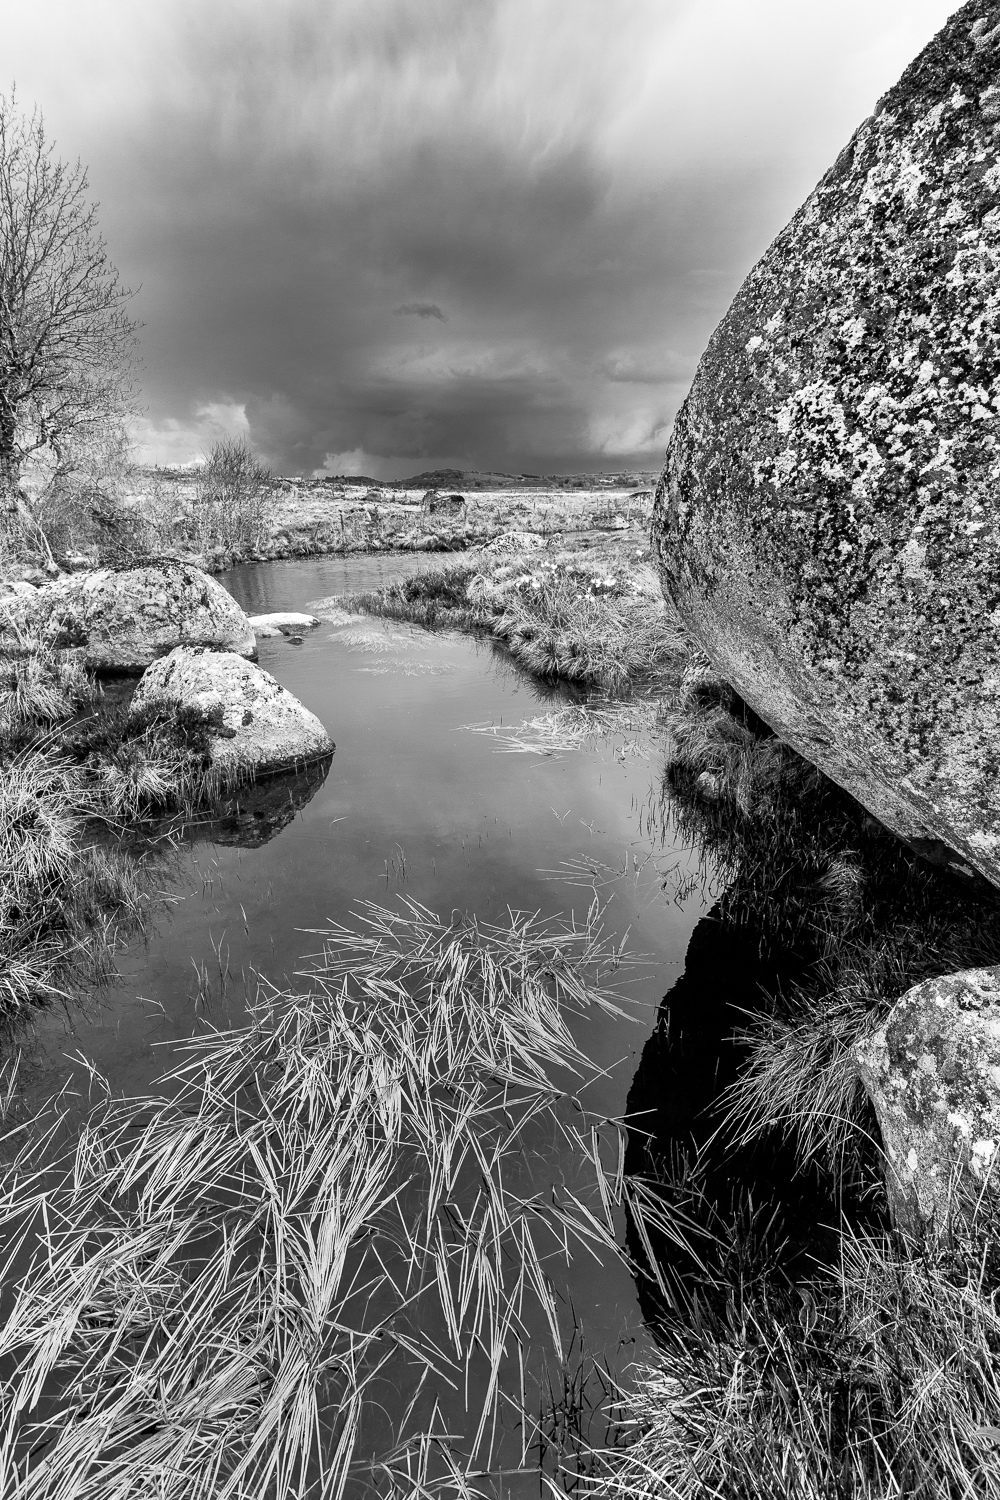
x=826 y=521
x=262 y=727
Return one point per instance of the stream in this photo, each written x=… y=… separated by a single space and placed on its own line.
x=421 y=803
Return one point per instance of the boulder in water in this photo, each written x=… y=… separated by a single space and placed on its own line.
x=261 y=727
x=124 y=620
x=827 y=520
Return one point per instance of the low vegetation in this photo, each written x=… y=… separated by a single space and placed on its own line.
x=598 y=623
x=220 y=1286
x=877 y=1379
x=76 y=775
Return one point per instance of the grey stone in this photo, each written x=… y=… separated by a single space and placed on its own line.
x=933 y=1075
x=827 y=520
x=282 y=622
x=125 y=620
x=261 y=727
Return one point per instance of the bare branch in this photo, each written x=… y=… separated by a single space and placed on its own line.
x=67 y=343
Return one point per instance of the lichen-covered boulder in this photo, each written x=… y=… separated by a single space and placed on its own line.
x=933 y=1075
x=516 y=541
x=259 y=726
x=125 y=620
x=827 y=521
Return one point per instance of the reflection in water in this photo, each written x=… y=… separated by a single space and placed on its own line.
x=250 y=816
x=678 y=1136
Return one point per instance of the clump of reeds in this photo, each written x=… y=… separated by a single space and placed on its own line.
x=40 y=686
x=874 y=1379
x=558 y=619
x=141 y=762
x=215 y=1296
x=62 y=896
x=432 y=597
x=68 y=889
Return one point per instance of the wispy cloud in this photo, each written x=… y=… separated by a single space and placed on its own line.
x=420 y=310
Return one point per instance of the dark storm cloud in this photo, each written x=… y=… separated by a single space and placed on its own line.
x=490 y=232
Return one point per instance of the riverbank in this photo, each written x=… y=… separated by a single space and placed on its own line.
x=161 y=513
x=588 y=612
x=800 y=1332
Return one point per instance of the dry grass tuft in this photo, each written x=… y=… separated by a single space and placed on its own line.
x=876 y=1379
x=562 y=619
x=214 y=1296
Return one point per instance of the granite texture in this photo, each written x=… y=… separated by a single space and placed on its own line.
x=828 y=518
x=123 y=620
x=933 y=1075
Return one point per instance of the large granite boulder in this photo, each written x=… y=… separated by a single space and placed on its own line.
x=259 y=726
x=933 y=1075
x=124 y=620
x=827 y=521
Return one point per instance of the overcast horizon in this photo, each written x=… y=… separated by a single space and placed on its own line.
x=381 y=237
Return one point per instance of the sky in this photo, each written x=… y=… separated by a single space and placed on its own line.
x=384 y=236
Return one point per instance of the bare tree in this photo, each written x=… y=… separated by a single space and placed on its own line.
x=66 y=342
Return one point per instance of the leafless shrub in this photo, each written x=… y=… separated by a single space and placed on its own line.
x=232 y=499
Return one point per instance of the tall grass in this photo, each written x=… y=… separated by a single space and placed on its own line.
x=69 y=888
x=331 y=1203
x=40 y=686
x=64 y=898
x=877 y=1378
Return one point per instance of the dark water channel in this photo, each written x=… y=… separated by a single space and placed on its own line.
x=417 y=805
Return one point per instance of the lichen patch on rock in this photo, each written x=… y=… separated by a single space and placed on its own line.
x=933 y=1075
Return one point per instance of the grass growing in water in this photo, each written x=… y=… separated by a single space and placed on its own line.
x=215 y=1294
x=877 y=1380
x=562 y=619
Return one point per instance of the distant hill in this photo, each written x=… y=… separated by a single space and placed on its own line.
x=474 y=479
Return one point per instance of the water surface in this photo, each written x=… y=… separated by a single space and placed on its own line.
x=416 y=805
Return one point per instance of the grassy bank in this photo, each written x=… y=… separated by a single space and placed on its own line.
x=594 y=617
x=77 y=775
x=237 y=511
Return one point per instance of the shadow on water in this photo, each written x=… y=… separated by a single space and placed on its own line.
x=677 y=1137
